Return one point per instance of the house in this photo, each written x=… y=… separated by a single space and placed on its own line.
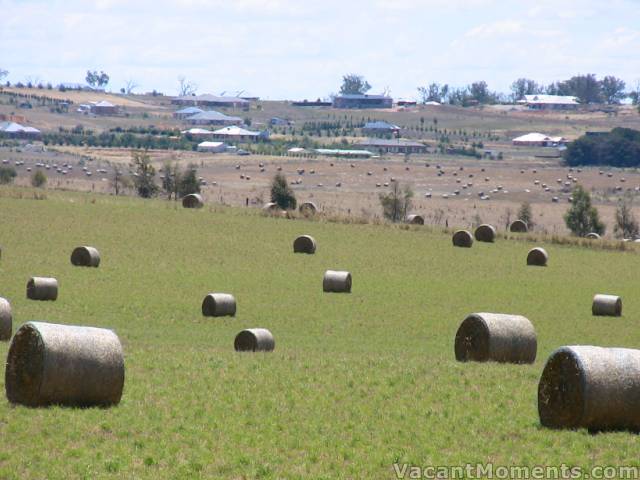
x=399 y=145
x=538 y=140
x=12 y=118
x=104 y=108
x=406 y=103
x=239 y=134
x=362 y=101
x=198 y=132
x=211 y=117
x=380 y=128
x=212 y=147
x=15 y=130
x=208 y=100
x=331 y=152
x=186 y=112
x=550 y=102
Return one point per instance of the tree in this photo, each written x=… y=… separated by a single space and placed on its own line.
x=480 y=91
x=38 y=179
x=3 y=73
x=397 y=202
x=524 y=86
x=618 y=148
x=281 y=193
x=634 y=95
x=586 y=87
x=582 y=217
x=354 y=84
x=186 y=87
x=119 y=181
x=7 y=175
x=171 y=180
x=434 y=93
x=189 y=182
x=144 y=175
x=94 y=78
x=129 y=86
x=525 y=214
x=626 y=224
x=613 y=89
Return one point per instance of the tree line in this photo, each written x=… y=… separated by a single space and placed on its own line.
x=618 y=148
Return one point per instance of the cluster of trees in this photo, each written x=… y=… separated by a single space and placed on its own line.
x=618 y=148
x=119 y=140
x=176 y=183
x=96 y=79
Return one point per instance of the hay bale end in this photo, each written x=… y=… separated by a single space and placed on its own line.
x=85 y=257
x=415 y=219
x=538 y=257
x=519 y=226
x=219 y=305
x=42 y=288
x=606 y=305
x=304 y=244
x=308 y=208
x=462 y=238
x=336 y=281
x=193 y=200
x=6 y=319
x=254 y=340
x=485 y=233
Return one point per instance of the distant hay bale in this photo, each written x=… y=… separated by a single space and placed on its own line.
x=254 y=340
x=462 y=238
x=65 y=365
x=85 y=257
x=193 y=200
x=485 y=233
x=497 y=337
x=6 y=319
x=590 y=387
x=42 y=288
x=538 y=257
x=271 y=208
x=304 y=244
x=592 y=236
x=219 y=305
x=415 y=219
x=335 y=281
x=607 y=305
x=518 y=226
x=308 y=209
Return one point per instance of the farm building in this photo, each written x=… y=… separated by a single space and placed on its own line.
x=362 y=101
x=550 y=102
x=211 y=117
x=186 y=112
x=399 y=145
x=15 y=130
x=212 y=147
x=198 y=132
x=104 y=108
x=208 y=100
x=239 y=134
x=380 y=128
x=538 y=140
x=343 y=153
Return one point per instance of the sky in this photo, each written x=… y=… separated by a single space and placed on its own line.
x=297 y=49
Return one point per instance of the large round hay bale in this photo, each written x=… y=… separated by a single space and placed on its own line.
x=485 y=233
x=304 y=244
x=518 y=226
x=308 y=209
x=271 y=207
x=592 y=236
x=590 y=387
x=6 y=319
x=66 y=365
x=42 y=288
x=193 y=200
x=254 y=340
x=336 y=281
x=497 y=337
x=219 y=305
x=537 y=256
x=607 y=305
x=415 y=219
x=85 y=257
x=462 y=238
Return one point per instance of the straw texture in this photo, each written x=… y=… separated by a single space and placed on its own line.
x=537 y=257
x=254 y=340
x=592 y=236
x=85 y=257
x=462 y=238
x=518 y=226
x=485 y=233
x=304 y=244
x=67 y=365
x=415 y=219
x=591 y=387
x=42 y=288
x=606 y=305
x=6 y=319
x=335 y=281
x=193 y=200
x=497 y=337
x=219 y=305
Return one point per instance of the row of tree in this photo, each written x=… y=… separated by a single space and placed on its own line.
x=618 y=148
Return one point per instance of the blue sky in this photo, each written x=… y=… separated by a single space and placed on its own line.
x=286 y=49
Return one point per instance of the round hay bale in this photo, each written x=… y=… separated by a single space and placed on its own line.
x=592 y=236
x=65 y=365
x=518 y=226
x=42 y=288
x=254 y=340
x=462 y=238
x=308 y=208
x=537 y=256
x=219 y=305
x=607 y=305
x=485 y=233
x=335 y=281
x=193 y=200
x=6 y=319
x=590 y=387
x=85 y=257
x=271 y=208
x=304 y=244
x=497 y=337
x=415 y=219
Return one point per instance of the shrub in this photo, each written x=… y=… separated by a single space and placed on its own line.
x=582 y=217
x=282 y=194
x=7 y=175
x=626 y=223
x=38 y=179
x=397 y=202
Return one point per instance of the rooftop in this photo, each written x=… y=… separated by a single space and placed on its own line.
x=382 y=142
x=212 y=115
x=550 y=99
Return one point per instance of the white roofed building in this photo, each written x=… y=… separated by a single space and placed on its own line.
x=538 y=140
x=550 y=102
x=239 y=134
x=212 y=147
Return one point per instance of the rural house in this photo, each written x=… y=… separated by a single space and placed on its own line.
x=186 y=112
x=538 y=140
x=15 y=130
x=211 y=117
x=399 y=145
x=104 y=108
x=198 y=132
x=208 y=100
x=362 y=101
x=239 y=134
x=212 y=147
x=380 y=128
x=550 y=102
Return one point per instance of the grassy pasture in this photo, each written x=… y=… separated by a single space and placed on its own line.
x=356 y=383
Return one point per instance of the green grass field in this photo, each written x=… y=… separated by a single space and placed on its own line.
x=356 y=383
